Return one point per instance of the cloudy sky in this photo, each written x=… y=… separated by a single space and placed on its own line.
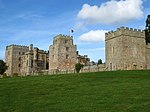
x=24 y=22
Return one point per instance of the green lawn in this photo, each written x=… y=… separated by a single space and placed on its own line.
x=117 y=91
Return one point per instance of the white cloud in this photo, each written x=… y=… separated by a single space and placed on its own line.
x=112 y=12
x=80 y=26
x=93 y=36
x=93 y=50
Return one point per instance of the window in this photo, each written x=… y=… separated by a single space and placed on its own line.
x=55 y=42
x=40 y=63
x=67 y=48
x=31 y=63
x=67 y=56
x=19 y=58
x=66 y=41
x=8 y=53
x=113 y=50
x=43 y=57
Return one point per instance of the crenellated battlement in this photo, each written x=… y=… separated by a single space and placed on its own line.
x=17 y=45
x=126 y=31
x=130 y=29
x=62 y=36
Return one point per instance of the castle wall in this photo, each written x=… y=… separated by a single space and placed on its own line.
x=93 y=68
x=125 y=49
x=24 y=64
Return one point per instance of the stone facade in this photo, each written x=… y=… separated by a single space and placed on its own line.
x=126 y=50
x=63 y=53
x=13 y=58
x=83 y=59
x=24 y=60
x=93 y=68
x=35 y=60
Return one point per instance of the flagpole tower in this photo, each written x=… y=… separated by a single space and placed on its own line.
x=147 y=30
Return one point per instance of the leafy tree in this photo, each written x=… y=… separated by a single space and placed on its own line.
x=147 y=36
x=147 y=30
x=100 y=61
x=78 y=67
x=3 y=67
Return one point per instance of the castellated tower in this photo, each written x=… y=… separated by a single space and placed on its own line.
x=125 y=49
x=13 y=58
x=63 y=53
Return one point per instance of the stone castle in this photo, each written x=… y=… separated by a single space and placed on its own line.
x=62 y=56
x=125 y=49
x=25 y=59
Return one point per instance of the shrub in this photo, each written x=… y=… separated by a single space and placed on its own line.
x=5 y=75
x=3 y=67
x=78 y=67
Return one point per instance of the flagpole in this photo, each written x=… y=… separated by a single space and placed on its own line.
x=70 y=32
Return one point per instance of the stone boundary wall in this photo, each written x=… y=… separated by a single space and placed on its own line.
x=85 y=69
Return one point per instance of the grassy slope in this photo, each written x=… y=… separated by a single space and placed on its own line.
x=120 y=91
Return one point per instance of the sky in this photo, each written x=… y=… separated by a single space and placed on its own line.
x=25 y=22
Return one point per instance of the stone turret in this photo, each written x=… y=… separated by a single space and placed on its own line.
x=31 y=47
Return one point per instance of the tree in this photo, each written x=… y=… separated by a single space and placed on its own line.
x=100 y=61
x=147 y=30
x=3 y=67
x=78 y=67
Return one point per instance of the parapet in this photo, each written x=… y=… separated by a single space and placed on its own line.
x=17 y=46
x=62 y=36
x=39 y=50
x=126 y=32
